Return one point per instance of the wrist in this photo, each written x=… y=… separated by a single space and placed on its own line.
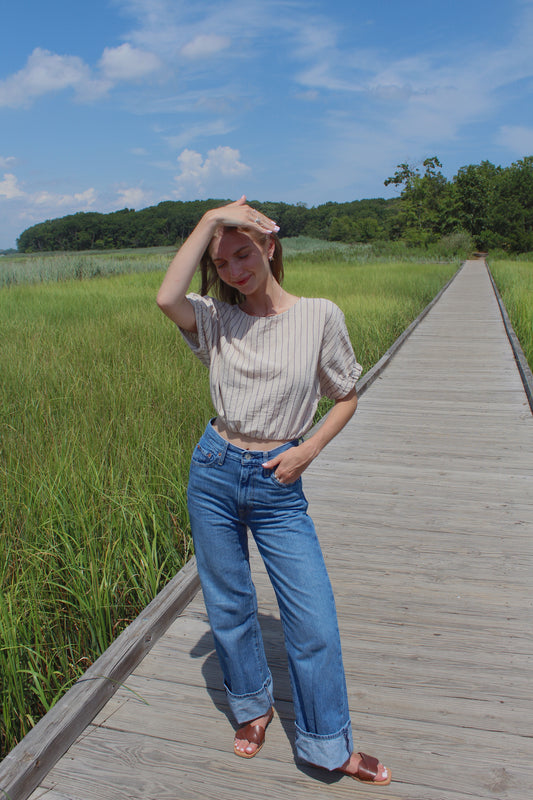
x=312 y=447
x=210 y=220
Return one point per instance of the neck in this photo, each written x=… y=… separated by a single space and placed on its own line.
x=268 y=304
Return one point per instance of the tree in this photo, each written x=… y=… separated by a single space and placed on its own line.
x=427 y=208
x=342 y=229
x=474 y=188
x=510 y=210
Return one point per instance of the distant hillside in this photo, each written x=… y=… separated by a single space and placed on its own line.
x=170 y=222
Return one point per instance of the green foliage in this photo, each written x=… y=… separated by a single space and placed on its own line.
x=40 y=268
x=494 y=205
x=169 y=223
x=427 y=208
x=510 y=215
x=474 y=187
x=514 y=280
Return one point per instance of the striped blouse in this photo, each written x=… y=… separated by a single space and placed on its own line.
x=267 y=374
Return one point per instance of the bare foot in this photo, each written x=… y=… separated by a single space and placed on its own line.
x=250 y=738
x=357 y=760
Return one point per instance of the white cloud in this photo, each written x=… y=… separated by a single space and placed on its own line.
x=197 y=172
x=43 y=203
x=205 y=45
x=126 y=63
x=134 y=197
x=81 y=201
x=5 y=163
x=47 y=72
x=44 y=72
x=9 y=187
x=516 y=138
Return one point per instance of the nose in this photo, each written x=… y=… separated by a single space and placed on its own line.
x=234 y=269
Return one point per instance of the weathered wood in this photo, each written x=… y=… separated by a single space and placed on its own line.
x=424 y=507
x=369 y=377
x=28 y=762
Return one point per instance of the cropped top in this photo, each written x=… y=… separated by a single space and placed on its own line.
x=267 y=374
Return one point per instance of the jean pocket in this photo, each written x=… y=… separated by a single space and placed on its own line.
x=279 y=483
x=202 y=456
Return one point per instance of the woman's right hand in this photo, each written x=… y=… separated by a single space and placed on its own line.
x=240 y=214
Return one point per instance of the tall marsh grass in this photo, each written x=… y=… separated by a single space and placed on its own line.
x=42 y=268
x=514 y=280
x=101 y=403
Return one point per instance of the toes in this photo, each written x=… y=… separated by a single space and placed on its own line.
x=351 y=767
x=245 y=747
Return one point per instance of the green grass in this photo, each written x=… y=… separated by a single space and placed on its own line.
x=514 y=280
x=42 y=268
x=101 y=403
x=45 y=267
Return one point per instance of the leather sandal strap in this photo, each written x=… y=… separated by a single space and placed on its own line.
x=368 y=767
x=255 y=734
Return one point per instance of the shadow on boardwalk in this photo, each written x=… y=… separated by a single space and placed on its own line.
x=424 y=507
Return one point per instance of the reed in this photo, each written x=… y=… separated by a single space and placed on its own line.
x=514 y=280
x=101 y=403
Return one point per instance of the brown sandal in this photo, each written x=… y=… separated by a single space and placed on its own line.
x=254 y=734
x=367 y=771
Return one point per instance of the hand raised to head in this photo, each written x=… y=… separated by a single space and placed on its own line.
x=239 y=213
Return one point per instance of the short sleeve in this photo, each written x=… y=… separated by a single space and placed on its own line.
x=338 y=370
x=202 y=343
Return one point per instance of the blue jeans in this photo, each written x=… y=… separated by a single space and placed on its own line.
x=229 y=491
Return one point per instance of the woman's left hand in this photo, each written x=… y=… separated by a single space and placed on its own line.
x=290 y=464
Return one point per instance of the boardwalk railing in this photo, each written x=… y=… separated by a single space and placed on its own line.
x=26 y=765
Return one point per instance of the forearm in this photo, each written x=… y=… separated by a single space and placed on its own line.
x=336 y=419
x=290 y=464
x=171 y=296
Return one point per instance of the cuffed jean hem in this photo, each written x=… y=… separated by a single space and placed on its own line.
x=330 y=752
x=246 y=707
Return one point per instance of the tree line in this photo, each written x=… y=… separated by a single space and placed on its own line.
x=492 y=205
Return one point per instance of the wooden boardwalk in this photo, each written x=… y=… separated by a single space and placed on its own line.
x=424 y=507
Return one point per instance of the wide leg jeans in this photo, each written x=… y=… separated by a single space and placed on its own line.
x=229 y=492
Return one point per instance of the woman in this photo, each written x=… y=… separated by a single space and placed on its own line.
x=271 y=355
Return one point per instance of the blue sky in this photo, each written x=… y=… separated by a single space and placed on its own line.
x=125 y=103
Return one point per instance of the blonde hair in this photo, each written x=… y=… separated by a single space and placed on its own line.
x=211 y=278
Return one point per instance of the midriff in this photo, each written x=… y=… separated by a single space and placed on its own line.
x=246 y=442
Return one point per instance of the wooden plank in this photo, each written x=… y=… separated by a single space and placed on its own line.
x=29 y=761
x=133 y=765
